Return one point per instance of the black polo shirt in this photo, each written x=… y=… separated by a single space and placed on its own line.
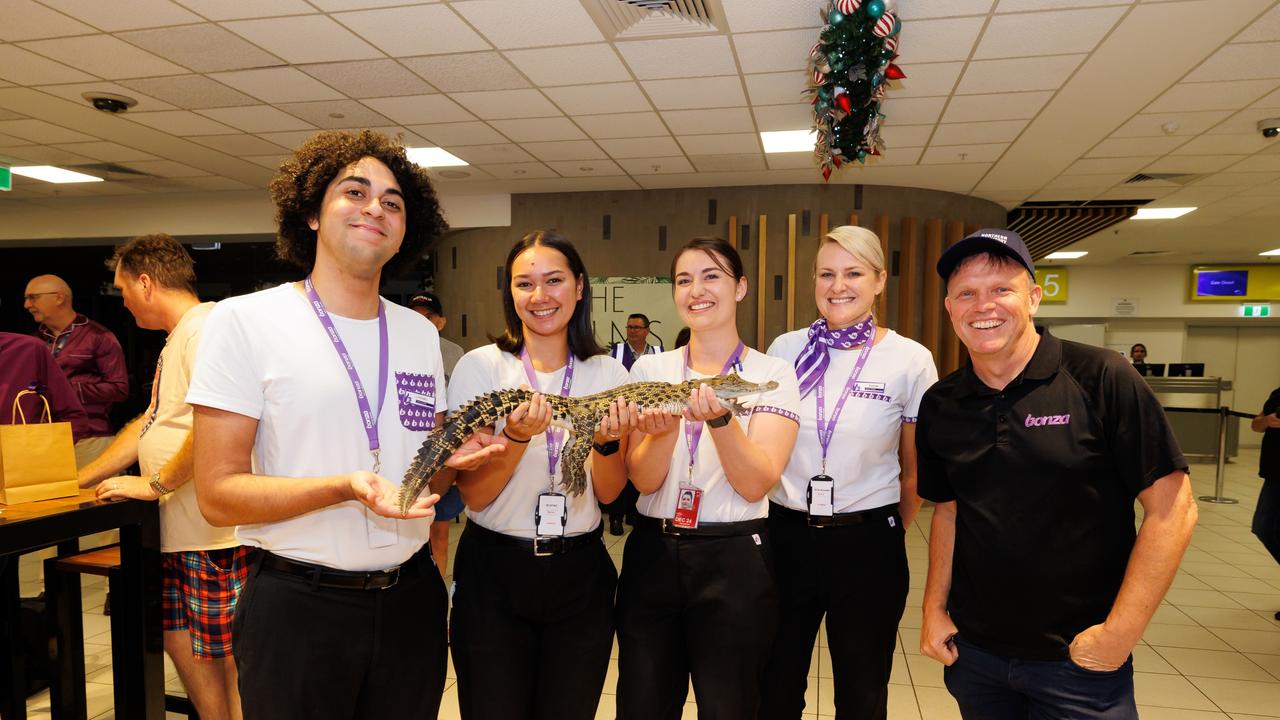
x=1044 y=474
x=1269 y=461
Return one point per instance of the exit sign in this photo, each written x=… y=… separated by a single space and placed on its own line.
x=1255 y=311
x=6 y=179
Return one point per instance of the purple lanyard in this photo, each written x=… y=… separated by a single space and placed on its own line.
x=693 y=430
x=554 y=434
x=826 y=431
x=362 y=400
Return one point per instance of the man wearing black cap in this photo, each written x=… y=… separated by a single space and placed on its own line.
x=1038 y=586
x=428 y=306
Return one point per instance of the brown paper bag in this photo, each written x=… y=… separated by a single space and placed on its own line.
x=37 y=460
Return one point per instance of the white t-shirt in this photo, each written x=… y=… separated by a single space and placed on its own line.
x=486 y=369
x=165 y=428
x=720 y=502
x=863 y=455
x=266 y=356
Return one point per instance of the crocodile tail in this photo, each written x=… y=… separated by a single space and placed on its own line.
x=573 y=459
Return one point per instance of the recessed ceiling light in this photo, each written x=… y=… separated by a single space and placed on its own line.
x=49 y=173
x=1066 y=255
x=336 y=115
x=789 y=140
x=433 y=157
x=1161 y=213
x=454 y=174
x=1271 y=252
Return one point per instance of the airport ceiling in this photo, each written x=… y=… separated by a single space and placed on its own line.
x=1008 y=100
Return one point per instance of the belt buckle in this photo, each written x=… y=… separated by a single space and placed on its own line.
x=395 y=578
x=819 y=521
x=670 y=528
x=547 y=546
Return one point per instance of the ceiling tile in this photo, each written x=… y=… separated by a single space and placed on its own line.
x=186 y=91
x=245 y=9
x=27 y=68
x=538 y=129
x=729 y=163
x=257 y=119
x=1239 y=62
x=1198 y=164
x=978 y=132
x=1222 y=95
x=698 y=56
x=928 y=41
x=1101 y=166
x=1239 y=179
x=496 y=104
x=586 y=168
x=486 y=154
x=215 y=183
x=373 y=78
x=641 y=147
x=1245 y=121
x=459 y=133
x=287 y=139
x=1006 y=106
x=726 y=144
x=1096 y=183
x=1046 y=33
x=945 y=155
x=1265 y=162
x=203 y=48
x=791 y=161
x=164 y=168
x=519 y=23
x=75 y=93
x=1271 y=100
x=621 y=125
x=1007 y=6
x=1188 y=123
x=776 y=88
x=565 y=150
x=1263 y=29
x=278 y=85
x=104 y=56
x=238 y=145
x=570 y=65
x=1018 y=74
x=520 y=171
x=912 y=111
x=599 y=99
x=28 y=20
x=116 y=15
x=656 y=165
x=751 y=15
x=11 y=141
x=39 y=131
x=349 y=114
x=773 y=51
x=896 y=156
x=106 y=151
x=1225 y=145
x=414 y=30
x=419 y=109
x=467 y=71
x=904 y=136
x=690 y=93
x=1130 y=147
x=772 y=118
x=703 y=122
x=271 y=162
x=179 y=122
x=926 y=80
x=46 y=155
x=304 y=39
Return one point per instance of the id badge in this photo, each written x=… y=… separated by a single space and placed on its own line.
x=551 y=515
x=688 y=503
x=382 y=531
x=822 y=490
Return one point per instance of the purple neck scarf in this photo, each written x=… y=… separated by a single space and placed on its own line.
x=811 y=364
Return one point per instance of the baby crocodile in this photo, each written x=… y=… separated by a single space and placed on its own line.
x=579 y=415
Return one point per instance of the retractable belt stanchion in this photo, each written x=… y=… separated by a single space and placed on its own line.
x=1224 y=413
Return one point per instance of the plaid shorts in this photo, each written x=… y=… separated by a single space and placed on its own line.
x=200 y=592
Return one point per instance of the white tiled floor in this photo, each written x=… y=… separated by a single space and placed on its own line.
x=1212 y=650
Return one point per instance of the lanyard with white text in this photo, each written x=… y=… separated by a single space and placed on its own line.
x=553 y=434
x=693 y=430
x=826 y=431
x=367 y=416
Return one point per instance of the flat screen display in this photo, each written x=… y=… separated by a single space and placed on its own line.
x=1222 y=283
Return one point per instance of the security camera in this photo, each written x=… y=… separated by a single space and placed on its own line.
x=109 y=102
x=1269 y=127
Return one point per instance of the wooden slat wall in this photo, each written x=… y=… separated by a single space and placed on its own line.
x=791 y=272
x=908 y=275
x=950 y=343
x=733 y=231
x=762 y=288
x=824 y=225
x=930 y=304
x=882 y=302
x=853 y=218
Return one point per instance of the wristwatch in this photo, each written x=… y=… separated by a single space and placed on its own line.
x=608 y=448
x=720 y=420
x=155 y=485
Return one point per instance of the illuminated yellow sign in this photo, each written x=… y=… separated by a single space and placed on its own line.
x=1054 y=282
x=1234 y=283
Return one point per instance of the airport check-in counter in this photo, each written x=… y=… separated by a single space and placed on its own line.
x=1197 y=433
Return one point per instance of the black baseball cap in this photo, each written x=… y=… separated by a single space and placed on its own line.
x=428 y=301
x=1004 y=242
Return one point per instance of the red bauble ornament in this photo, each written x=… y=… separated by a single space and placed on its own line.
x=843 y=102
x=848 y=7
x=883 y=26
x=893 y=72
x=826 y=172
x=818 y=77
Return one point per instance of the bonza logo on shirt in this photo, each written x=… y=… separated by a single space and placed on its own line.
x=1042 y=420
x=870 y=391
x=416 y=394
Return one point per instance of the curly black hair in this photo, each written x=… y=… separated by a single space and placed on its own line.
x=298 y=190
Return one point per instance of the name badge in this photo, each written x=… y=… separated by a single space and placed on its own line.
x=822 y=490
x=551 y=515
x=382 y=531
x=688 y=503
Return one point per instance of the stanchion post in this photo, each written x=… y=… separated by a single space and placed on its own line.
x=1224 y=414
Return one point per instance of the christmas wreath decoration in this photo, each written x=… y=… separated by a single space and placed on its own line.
x=849 y=69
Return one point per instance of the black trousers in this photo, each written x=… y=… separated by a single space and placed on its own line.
x=321 y=653
x=624 y=504
x=857 y=576
x=531 y=636
x=704 y=607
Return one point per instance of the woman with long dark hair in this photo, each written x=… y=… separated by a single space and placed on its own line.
x=696 y=598
x=533 y=606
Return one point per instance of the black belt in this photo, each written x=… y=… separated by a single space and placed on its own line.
x=539 y=546
x=718 y=529
x=324 y=576
x=860 y=517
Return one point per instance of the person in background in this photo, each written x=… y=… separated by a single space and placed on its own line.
x=89 y=355
x=26 y=364
x=1138 y=354
x=428 y=306
x=637 y=342
x=848 y=493
x=682 y=337
x=203 y=567
x=1266 y=517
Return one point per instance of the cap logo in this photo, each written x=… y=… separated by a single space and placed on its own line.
x=995 y=236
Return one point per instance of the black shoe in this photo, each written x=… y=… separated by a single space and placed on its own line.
x=615 y=524
x=1278 y=614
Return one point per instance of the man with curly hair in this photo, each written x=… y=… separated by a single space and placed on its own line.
x=310 y=400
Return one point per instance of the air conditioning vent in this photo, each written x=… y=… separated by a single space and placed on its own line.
x=1149 y=253
x=1175 y=178
x=628 y=19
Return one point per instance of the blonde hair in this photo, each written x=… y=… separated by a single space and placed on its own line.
x=859 y=242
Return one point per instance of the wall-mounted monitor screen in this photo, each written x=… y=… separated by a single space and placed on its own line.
x=1234 y=283
x=1222 y=283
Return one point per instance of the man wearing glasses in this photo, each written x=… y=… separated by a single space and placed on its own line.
x=637 y=342
x=89 y=355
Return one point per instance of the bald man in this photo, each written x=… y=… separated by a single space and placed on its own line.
x=88 y=354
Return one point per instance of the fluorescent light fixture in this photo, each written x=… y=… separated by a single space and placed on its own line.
x=789 y=140
x=49 y=173
x=1066 y=255
x=1271 y=252
x=1161 y=213
x=433 y=157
